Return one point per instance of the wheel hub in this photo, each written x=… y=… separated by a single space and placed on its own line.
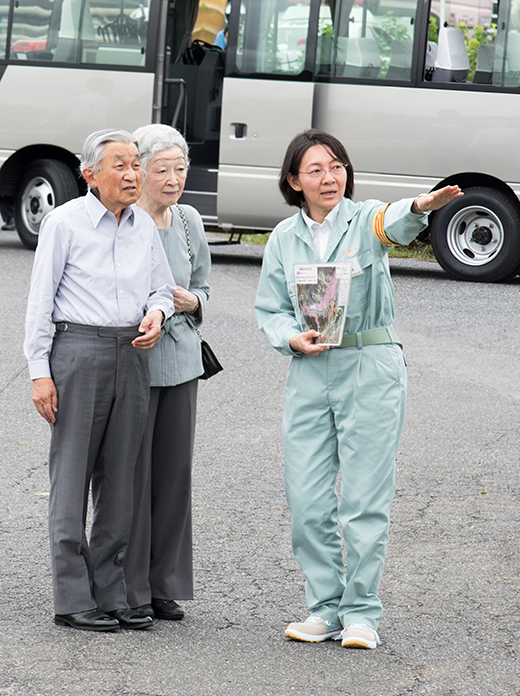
x=37 y=201
x=34 y=205
x=482 y=235
x=475 y=235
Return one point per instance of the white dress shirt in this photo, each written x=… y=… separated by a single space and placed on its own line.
x=90 y=270
x=321 y=231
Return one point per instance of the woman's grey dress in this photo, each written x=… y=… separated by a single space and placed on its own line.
x=158 y=561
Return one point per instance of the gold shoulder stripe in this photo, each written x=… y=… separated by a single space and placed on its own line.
x=379 y=227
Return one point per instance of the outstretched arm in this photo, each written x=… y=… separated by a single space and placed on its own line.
x=435 y=200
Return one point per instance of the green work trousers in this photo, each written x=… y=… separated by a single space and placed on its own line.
x=344 y=411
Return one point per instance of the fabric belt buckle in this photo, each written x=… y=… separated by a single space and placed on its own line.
x=62 y=326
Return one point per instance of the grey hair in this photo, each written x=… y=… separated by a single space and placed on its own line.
x=156 y=138
x=94 y=146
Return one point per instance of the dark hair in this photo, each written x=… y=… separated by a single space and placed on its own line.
x=293 y=159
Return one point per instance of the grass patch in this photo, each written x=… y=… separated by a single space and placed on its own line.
x=260 y=238
x=419 y=251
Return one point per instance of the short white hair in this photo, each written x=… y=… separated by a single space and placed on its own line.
x=95 y=145
x=158 y=137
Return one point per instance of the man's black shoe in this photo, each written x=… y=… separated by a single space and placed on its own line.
x=144 y=610
x=91 y=620
x=167 y=609
x=129 y=619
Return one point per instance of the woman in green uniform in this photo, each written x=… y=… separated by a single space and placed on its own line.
x=344 y=406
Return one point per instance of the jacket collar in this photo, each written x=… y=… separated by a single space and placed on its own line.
x=347 y=210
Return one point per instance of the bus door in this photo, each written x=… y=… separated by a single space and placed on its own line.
x=267 y=99
x=191 y=99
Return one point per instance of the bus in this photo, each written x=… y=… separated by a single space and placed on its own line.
x=422 y=94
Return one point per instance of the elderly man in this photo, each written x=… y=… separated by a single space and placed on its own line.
x=101 y=277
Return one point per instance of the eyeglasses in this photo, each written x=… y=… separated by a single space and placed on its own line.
x=335 y=170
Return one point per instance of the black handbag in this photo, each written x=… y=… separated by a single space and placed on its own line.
x=210 y=361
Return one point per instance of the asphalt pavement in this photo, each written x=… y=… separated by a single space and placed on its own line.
x=451 y=586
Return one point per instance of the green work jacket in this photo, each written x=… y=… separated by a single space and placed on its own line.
x=371 y=300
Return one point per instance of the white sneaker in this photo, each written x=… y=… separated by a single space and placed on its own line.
x=359 y=636
x=313 y=630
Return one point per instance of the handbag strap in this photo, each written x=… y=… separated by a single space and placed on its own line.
x=190 y=254
x=186 y=230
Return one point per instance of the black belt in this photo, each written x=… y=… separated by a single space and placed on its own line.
x=103 y=331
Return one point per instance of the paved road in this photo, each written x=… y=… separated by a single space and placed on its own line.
x=451 y=586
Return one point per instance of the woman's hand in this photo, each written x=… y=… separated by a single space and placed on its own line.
x=436 y=199
x=185 y=301
x=304 y=343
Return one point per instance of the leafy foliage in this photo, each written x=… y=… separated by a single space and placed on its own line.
x=473 y=38
x=433 y=30
x=391 y=29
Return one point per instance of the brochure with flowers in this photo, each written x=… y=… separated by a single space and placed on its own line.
x=322 y=291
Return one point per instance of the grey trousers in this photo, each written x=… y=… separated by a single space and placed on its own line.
x=102 y=384
x=158 y=562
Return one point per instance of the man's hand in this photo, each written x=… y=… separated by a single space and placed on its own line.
x=45 y=398
x=150 y=327
x=304 y=343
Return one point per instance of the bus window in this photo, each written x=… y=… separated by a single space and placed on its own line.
x=506 y=67
x=272 y=37
x=487 y=53
x=367 y=39
x=4 y=13
x=107 y=32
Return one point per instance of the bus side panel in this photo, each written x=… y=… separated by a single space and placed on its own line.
x=61 y=106
x=249 y=197
x=259 y=119
x=391 y=130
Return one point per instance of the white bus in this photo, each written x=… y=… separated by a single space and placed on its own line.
x=419 y=103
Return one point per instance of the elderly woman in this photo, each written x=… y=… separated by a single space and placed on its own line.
x=344 y=406
x=158 y=562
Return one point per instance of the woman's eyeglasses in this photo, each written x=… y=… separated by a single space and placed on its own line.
x=335 y=170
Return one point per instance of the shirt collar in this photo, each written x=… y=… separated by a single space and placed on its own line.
x=96 y=210
x=329 y=221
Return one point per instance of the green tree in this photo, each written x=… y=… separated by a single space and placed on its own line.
x=433 y=30
x=391 y=29
x=474 y=38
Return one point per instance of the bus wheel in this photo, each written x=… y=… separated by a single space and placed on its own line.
x=45 y=185
x=477 y=237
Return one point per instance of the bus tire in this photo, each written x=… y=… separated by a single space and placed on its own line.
x=45 y=185
x=477 y=237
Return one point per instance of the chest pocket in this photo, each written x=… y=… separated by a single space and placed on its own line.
x=360 y=291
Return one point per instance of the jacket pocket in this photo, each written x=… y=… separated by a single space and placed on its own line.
x=360 y=289
x=291 y=291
